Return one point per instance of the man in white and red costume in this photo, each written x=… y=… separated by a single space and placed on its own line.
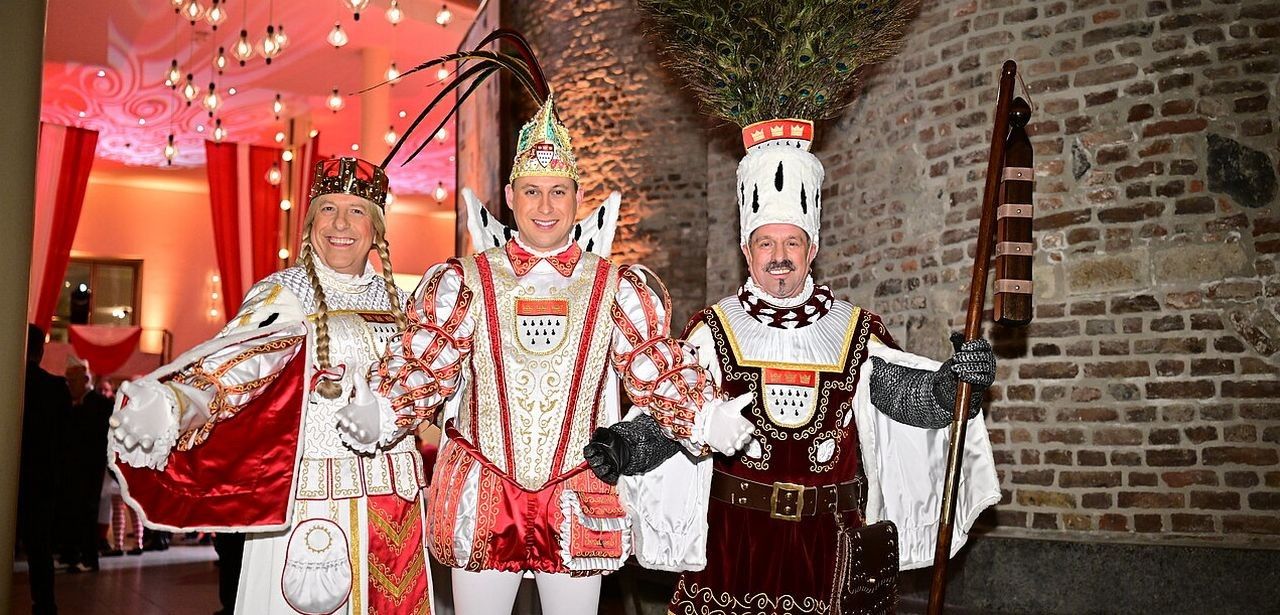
x=525 y=347
x=242 y=433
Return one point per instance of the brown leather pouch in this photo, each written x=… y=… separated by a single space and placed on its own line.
x=866 y=579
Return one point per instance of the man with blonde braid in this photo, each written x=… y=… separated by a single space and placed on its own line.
x=241 y=434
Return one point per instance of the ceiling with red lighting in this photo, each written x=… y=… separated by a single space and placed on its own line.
x=105 y=65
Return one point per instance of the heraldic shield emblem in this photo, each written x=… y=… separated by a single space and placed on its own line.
x=544 y=152
x=541 y=323
x=789 y=395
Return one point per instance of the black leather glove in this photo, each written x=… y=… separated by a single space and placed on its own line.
x=607 y=454
x=627 y=448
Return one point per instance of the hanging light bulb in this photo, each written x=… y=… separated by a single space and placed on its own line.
x=211 y=99
x=286 y=204
x=442 y=134
x=243 y=51
x=220 y=60
x=219 y=133
x=277 y=106
x=391 y=198
x=287 y=155
x=189 y=90
x=335 y=102
x=170 y=150
x=174 y=75
x=442 y=73
x=274 y=175
x=440 y=193
x=356 y=6
x=216 y=15
x=391 y=136
x=192 y=11
x=393 y=73
x=337 y=37
x=269 y=48
x=394 y=14
x=283 y=253
x=282 y=41
x=444 y=16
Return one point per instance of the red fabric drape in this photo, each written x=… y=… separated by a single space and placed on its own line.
x=73 y=176
x=264 y=205
x=223 y=189
x=310 y=154
x=105 y=347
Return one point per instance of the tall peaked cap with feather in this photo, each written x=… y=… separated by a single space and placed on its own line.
x=543 y=147
x=773 y=67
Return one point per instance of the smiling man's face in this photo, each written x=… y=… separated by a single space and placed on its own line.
x=544 y=208
x=778 y=257
x=342 y=232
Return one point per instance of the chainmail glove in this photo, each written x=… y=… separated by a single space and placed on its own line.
x=926 y=399
x=973 y=362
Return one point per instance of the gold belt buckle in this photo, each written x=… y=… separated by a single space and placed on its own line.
x=792 y=504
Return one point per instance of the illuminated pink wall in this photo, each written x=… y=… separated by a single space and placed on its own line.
x=163 y=219
x=166 y=223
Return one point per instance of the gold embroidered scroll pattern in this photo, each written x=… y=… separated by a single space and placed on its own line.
x=221 y=408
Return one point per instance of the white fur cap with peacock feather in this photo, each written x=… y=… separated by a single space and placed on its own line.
x=756 y=63
x=779 y=180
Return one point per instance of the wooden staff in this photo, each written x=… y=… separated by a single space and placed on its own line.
x=1013 y=284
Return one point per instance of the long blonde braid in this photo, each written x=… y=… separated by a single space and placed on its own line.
x=329 y=389
x=384 y=254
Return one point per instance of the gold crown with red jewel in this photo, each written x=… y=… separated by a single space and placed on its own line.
x=348 y=175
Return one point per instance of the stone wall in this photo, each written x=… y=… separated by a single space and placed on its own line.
x=633 y=132
x=1143 y=403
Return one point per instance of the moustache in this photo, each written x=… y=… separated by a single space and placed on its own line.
x=779 y=266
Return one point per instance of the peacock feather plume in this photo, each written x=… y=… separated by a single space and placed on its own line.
x=753 y=60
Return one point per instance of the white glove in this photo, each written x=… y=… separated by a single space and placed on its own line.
x=360 y=422
x=723 y=427
x=148 y=417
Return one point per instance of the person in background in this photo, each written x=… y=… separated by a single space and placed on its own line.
x=46 y=398
x=86 y=464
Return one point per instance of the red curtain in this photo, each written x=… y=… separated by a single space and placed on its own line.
x=264 y=216
x=105 y=347
x=223 y=196
x=310 y=154
x=72 y=172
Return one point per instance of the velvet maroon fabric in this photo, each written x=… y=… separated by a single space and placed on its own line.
x=757 y=564
x=242 y=476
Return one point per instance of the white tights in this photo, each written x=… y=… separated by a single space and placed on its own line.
x=493 y=592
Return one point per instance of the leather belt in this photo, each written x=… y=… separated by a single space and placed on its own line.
x=788 y=501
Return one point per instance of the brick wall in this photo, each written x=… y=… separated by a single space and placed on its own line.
x=1144 y=401
x=632 y=131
